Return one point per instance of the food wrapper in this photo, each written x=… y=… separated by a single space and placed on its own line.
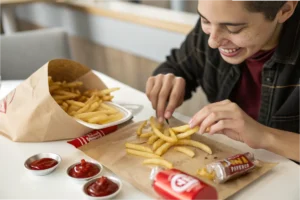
x=110 y=151
x=93 y=135
x=230 y=168
x=30 y=114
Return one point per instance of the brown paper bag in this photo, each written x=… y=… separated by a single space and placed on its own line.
x=110 y=151
x=30 y=114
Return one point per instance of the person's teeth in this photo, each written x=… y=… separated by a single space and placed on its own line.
x=230 y=50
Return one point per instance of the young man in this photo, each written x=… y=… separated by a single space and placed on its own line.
x=245 y=56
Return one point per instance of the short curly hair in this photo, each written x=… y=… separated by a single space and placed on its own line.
x=268 y=8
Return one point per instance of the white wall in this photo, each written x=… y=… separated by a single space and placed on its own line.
x=148 y=42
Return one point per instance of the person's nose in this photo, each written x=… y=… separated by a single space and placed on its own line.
x=216 y=38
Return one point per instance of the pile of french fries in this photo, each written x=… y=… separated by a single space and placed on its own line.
x=161 y=139
x=88 y=106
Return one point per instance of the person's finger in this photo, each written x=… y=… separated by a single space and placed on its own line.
x=213 y=118
x=155 y=90
x=221 y=125
x=207 y=110
x=164 y=95
x=175 y=98
x=149 y=86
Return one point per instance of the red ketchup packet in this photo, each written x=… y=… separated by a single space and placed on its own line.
x=93 y=135
x=177 y=185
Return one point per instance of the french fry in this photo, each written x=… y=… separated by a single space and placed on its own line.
x=64 y=97
x=82 y=98
x=52 y=88
x=69 y=96
x=141 y=127
x=173 y=135
x=89 y=93
x=138 y=147
x=180 y=129
x=73 y=108
x=157 y=144
x=93 y=107
x=142 y=153
x=159 y=126
x=92 y=98
x=113 y=118
x=152 y=139
x=162 y=139
x=186 y=151
x=197 y=144
x=108 y=91
x=65 y=104
x=107 y=98
x=76 y=103
x=188 y=133
x=89 y=115
x=163 y=148
x=97 y=119
x=158 y=133
x=49 y=79
x=160 y=162
x=62 y=92
x=73 y=84
x=86 y=107
x=204 y=173
x=166 y=132
x=105 y=106
x=146 y=135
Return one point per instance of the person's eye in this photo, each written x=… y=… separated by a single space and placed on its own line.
x=204 y=21
x=234 y=31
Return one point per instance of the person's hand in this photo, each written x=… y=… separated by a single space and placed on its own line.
x=228 y=118
x=166 y=93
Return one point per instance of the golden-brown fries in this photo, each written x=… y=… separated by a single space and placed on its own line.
x=162 y=138
x=88 y=106
x=163 y=148
x=157 y=144
x=160 y=134
x=146 y=135
x=204 y=173
x=197 y=144
x=160 y=162
x=139 y=131
x=142 y=153
x=152 y=139
x=188 y=133
x=186 y=151
x=181 y=129
x=138 y=147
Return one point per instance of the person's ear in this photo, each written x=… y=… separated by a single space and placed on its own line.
x=286 y=11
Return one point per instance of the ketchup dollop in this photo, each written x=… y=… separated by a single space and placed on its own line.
x=43 y=163
x=102 y=187
x=84 y=170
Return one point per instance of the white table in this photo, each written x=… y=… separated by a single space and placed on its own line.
x=15 y=182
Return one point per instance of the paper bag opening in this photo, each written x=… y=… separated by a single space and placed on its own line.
x=30 y=114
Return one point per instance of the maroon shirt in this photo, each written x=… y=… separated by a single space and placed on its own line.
x=248 y=90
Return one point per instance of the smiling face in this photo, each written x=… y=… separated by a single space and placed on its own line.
x=236 y=32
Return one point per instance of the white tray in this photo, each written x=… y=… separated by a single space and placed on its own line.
x=127 y=116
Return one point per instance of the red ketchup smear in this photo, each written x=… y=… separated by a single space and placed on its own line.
x=84 y=170
x=44 y=163
x=102 y=187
